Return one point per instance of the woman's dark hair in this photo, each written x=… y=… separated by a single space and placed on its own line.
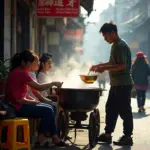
x=108 y=28
x=18 y=58
x=44 y=58
x=139 y=63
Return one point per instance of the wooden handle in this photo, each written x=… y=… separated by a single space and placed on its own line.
x=89 y=72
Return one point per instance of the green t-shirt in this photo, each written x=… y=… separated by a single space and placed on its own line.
x=120 y=54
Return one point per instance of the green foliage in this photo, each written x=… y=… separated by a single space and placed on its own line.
x=4 y=69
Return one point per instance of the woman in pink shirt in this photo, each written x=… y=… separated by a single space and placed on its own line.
x=16 y=89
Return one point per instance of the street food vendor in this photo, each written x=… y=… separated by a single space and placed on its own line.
x=119 y=98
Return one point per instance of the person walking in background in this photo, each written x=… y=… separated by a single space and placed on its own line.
x=102 y=80
x=146 y=59
x=140 y=73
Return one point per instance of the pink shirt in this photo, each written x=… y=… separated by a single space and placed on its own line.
x=16 y=87
x=141 y=87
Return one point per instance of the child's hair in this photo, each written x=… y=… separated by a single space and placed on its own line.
x=36 y=58
x=44 y=58
x=25 y=56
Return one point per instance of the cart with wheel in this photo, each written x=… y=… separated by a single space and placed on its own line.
x=77 y=103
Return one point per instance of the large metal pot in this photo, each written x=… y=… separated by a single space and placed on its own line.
x=79 y=100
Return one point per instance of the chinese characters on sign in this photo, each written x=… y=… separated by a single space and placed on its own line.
x=58 y=8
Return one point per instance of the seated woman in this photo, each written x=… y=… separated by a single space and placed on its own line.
x=43 y=77
x=16 y=90
x=42 y=73
x=35 y=93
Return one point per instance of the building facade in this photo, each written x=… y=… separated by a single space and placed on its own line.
x=132 y=19
x=136 y=30
x=21 y=29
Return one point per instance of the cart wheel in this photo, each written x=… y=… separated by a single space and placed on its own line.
x=97 y=121
x=63 y=123
x=92 y=130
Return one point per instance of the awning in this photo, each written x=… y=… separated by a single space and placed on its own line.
x=144 y=24
x=137 y=28
x=132 y=19
x=87 y=5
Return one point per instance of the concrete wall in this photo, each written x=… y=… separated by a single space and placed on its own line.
x=7 y=28
x=10 y=41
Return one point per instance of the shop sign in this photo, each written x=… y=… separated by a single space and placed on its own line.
x=73 y=35
x=58 y=8
x=134 y=45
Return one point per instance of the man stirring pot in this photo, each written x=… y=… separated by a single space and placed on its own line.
x=119 y=99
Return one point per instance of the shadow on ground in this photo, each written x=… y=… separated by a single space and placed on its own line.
x=72 y=147
x=137 y=115
x=109 y=147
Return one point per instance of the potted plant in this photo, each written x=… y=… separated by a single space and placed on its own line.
x=4 y=69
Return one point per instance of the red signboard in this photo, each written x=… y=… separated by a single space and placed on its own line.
x=73 y=35
x=57 y=8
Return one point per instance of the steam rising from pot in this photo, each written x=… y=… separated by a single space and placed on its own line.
x=68 y=73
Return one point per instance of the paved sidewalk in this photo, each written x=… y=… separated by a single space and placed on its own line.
x=141 y=130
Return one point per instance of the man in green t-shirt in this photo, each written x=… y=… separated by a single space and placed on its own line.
x=119 y=99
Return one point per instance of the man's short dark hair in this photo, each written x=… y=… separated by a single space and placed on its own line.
x=108 y=28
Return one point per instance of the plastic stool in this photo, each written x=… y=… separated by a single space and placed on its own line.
x=12 y=125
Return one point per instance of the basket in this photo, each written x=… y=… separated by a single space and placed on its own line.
x=133 y=93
